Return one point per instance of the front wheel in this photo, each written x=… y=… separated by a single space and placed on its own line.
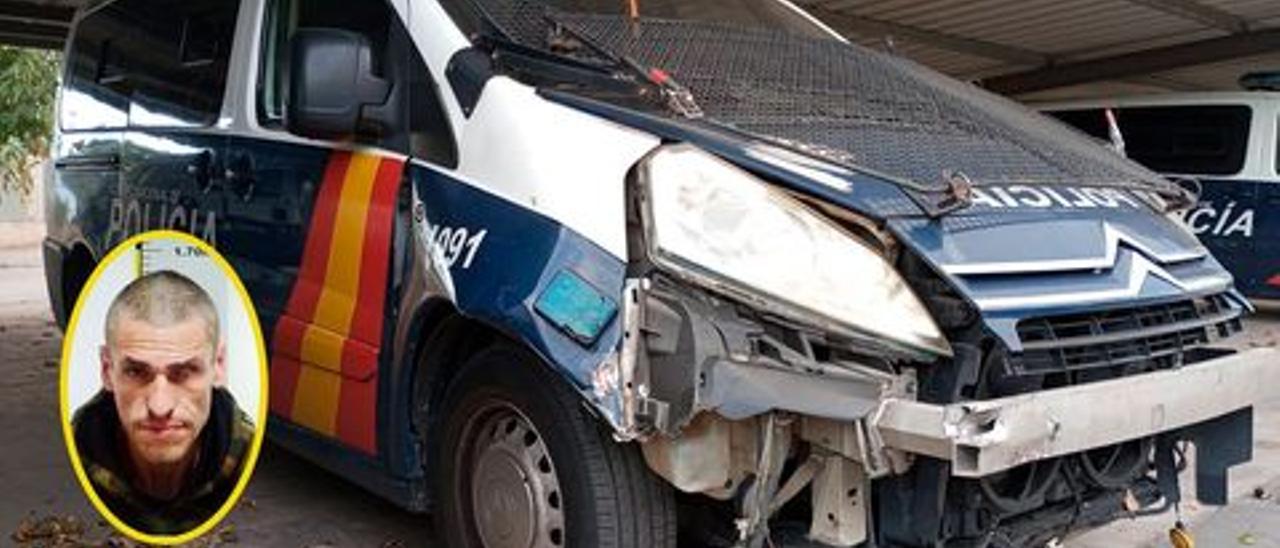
x=523 y=465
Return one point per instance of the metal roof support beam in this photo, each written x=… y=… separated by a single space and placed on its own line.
x=27 y=12
x=1195 y=11
x=32 y=29
x=867 y=26
x=1138 y=63
x=31 y=41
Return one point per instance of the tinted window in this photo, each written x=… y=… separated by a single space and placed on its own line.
x=1194 y=140
x=149 y=63
x=94 y=95
x=424 y=131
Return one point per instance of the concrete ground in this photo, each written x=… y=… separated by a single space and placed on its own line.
x=291 y=503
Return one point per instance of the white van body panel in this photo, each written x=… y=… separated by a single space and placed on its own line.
x=529 y=150
x=562 y=163
x=1261 y=162
x=437 y=39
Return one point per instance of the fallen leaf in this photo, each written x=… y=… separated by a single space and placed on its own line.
x=53 y=530
x=228 y=535
x=1130 y=502
x=1247 y=539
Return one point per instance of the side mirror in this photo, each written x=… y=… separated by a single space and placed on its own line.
x=331 y=81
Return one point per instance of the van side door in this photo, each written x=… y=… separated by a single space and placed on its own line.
x=316 y=240
x=176 y=57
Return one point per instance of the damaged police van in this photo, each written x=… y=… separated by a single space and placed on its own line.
x=561 y=271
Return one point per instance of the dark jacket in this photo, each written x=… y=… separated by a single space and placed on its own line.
x=223 y=445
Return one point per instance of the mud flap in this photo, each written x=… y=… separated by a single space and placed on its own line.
x=1220 y=443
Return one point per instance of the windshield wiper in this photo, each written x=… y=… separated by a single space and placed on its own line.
x=676 y=97
x=568 y=58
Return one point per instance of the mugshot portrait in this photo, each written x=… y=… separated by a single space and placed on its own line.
x=163 y=390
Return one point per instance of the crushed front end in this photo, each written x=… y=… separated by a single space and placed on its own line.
x=981 y=392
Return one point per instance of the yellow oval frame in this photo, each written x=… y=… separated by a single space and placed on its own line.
x=263 y=386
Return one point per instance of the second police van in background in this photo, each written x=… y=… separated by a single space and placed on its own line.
x=558 y=272
x=1225 y=145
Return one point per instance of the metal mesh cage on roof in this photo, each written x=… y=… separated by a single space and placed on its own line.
x=860 y=106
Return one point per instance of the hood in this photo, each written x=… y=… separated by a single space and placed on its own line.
x=1059 y=224
x=1020 y=251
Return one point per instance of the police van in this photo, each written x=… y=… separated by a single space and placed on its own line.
x=1224 y=144
x=594 y=273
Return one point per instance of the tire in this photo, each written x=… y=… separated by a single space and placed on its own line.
x=522 y=464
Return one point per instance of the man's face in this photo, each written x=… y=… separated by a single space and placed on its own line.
x=162 y=378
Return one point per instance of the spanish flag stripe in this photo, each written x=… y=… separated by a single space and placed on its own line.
x=322 y=344
x=367 y=326
x=315 y=404
x=357 y=419
x=357 y=423
x=322 y=348
x=326 y=344
x=342 y=277
x=285 y=344
x=306 y=290
x=284 y=379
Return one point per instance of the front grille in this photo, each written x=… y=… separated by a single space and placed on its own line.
x=1121 y=337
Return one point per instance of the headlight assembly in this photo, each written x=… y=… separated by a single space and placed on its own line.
x=724 y=229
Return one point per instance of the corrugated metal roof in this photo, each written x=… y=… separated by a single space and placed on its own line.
x=1012 y=45
x=1027 y=40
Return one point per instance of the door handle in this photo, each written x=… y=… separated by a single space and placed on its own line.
x=88 y=162
x=240 y=176
x=201 y=170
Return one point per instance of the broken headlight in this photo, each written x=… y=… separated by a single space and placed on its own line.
x=724 y=229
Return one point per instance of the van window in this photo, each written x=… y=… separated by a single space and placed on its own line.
x=425 y=133
x=149 y=63
x=1193 y=140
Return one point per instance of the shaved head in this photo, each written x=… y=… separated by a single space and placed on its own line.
x=163 y=298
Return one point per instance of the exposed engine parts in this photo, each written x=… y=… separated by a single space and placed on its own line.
x=784 y=430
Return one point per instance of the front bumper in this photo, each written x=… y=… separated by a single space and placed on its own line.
x=985 y=437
